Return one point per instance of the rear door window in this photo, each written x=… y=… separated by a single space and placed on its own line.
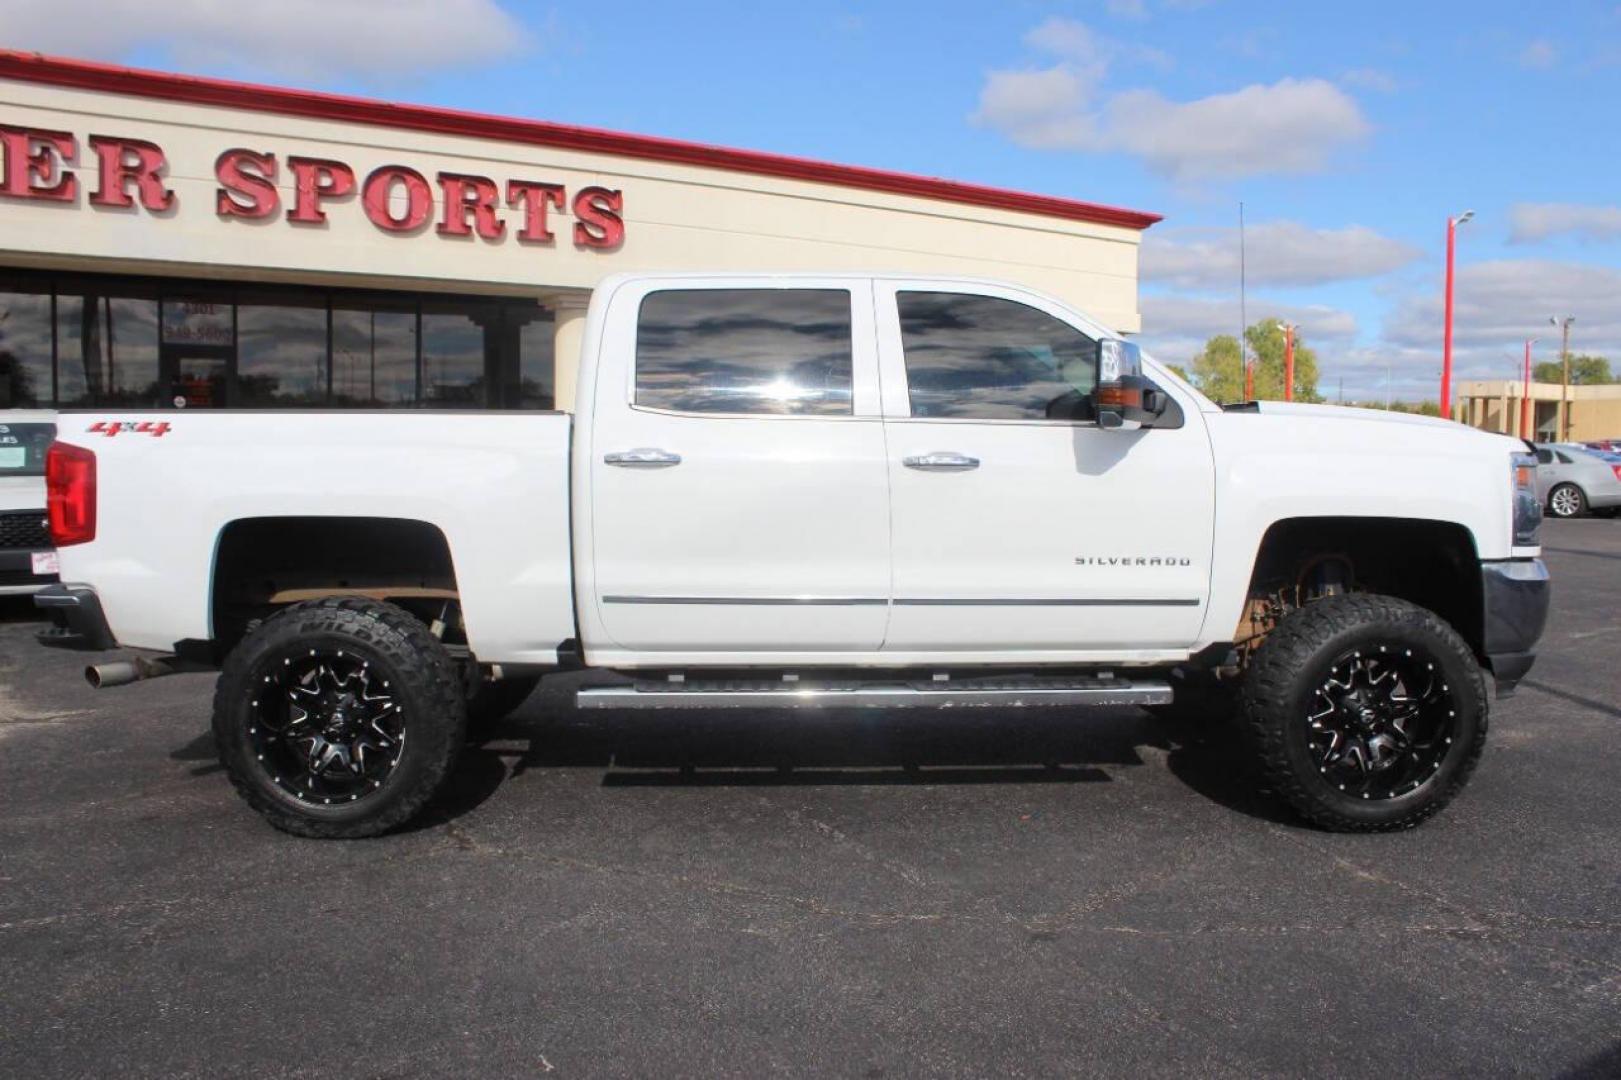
x=768 y=352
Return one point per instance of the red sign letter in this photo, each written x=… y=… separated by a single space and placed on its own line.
x=475 y=193
x=598 y=224
x=534 y=197
x=315 y=179
x=34 y=160
x=247 y=184
x=380 y=185
x=124 y=160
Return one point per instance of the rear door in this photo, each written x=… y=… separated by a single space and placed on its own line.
x=738 y=489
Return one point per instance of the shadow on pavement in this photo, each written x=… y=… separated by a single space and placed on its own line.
x=883 y=747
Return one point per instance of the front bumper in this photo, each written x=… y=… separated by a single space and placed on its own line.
x=1515 y=594
x=76 y=609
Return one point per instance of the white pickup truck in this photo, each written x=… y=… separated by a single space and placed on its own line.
x=805 y=490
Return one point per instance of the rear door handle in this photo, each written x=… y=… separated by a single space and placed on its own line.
x=643 y=457
x=941 y=461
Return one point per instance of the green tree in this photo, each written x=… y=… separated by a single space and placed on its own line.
x=1585 y=370
x=1218 y=370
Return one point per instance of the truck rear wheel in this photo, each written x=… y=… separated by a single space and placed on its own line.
x=1369 y=712
x=339 y=717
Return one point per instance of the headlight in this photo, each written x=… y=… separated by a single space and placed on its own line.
x=1527 y=507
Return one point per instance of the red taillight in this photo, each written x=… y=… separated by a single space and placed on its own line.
x=1617 y=470
x=70 y=493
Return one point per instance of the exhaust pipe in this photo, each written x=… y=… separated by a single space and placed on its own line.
x=123 y=672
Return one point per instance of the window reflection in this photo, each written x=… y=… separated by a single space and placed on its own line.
x=771 y=351
x=984 y=358
x=453 y=355
x=374 y=357
x=148 y=342
x=281 y=353
x=25 y=350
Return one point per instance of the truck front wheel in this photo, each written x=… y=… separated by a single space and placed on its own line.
x=339 y=717
x=1369 y=712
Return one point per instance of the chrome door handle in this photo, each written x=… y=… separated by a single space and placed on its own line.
x=643 y=457
x=941 y=461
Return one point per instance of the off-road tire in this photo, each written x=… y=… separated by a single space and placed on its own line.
x=421 y=674
x=493 y=701
x=1576 y=500
x=1293 y=662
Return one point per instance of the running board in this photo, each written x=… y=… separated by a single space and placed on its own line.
x=943 y=693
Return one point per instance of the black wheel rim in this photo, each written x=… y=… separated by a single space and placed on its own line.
x=1382 y=722
x=325 y=726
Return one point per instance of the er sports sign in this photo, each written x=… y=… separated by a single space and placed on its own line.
x=40 y=164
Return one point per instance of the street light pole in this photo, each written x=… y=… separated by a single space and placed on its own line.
x=1446 y=339
x=1564 y=357
x=1525 y=393
x=1288 y=362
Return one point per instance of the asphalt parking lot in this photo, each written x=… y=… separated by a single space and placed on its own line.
x=973 y=893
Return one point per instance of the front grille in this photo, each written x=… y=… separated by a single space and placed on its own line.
x=24 y=530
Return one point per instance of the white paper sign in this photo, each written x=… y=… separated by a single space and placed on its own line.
x=45 y=562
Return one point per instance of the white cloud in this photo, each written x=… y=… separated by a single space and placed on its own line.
x=1499 y=304
x=1538 y=221
x=1291 y=126
x=1284 y=253
x=1176 y=327
x=308 y=40
x=1539 y=55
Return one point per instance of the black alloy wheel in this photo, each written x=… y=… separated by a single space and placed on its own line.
x=1369 y=712
x=339 y=717
x=326 y=726
x=1382 y=721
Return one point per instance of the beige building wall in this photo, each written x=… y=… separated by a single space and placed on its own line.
x=677 y=217
x=1594 y=411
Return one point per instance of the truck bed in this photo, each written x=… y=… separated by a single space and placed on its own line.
x=496 y=485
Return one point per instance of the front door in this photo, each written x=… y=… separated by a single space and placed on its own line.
x=1020 y=526
x=739 y=498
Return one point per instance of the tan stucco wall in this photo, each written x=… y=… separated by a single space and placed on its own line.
x=677 y=217
x=1595 y=411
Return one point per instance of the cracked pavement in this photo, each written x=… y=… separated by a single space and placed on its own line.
x=1020 y=893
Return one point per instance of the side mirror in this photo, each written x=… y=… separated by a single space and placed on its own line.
x=1126 y=399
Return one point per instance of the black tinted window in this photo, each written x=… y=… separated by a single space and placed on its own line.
x=1545 y=457
x=984 y=358
x=1564 y=459
x=772 y=351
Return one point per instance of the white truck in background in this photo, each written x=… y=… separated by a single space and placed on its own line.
x=806 y=490
x=27 y=562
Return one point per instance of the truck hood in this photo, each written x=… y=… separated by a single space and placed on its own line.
x=1378 y=418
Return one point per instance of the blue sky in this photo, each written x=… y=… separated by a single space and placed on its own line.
x=1350 y=132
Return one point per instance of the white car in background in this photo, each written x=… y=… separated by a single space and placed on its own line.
x=1573 y=480
x=27 y=560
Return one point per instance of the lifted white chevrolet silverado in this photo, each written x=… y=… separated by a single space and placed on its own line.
x=813 y=491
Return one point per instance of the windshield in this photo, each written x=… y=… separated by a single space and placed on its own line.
x=22 y=448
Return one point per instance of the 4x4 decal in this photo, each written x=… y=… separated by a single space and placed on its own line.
x=110 y=428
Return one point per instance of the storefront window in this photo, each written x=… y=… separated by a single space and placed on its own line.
x=537 y=379
x=281 y=353
x=374 y=357
x=453 y=355
x=83 y=340
x=25 y=350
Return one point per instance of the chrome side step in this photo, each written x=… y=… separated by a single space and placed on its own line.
x=765 y=694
